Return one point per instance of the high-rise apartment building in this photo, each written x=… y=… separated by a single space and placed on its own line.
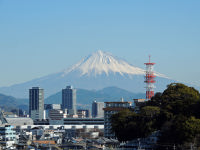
x=36 y=103
x=97 y=109
x=69 y=100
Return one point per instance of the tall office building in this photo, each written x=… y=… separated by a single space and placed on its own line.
x=97 y=109
x=69 y=100
x=36 y=103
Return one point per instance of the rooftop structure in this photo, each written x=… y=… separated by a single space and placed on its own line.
x=137 y=102
x=17 y=121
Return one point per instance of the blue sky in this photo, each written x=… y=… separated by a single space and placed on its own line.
x=38 y=38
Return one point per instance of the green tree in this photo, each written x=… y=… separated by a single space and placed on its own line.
x=122 y=125
x=150 y=111
x=175 y=112
x=179 y=113
x=128 y=125
x=181 y=131
x=180 y=99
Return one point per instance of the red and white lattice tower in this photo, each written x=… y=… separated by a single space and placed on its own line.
x=149 y=79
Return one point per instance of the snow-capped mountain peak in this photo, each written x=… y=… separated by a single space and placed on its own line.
x=102 y=62
x=97 y=71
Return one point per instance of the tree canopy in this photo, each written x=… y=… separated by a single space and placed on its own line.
x=175 y=113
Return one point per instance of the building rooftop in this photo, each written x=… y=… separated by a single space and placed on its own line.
x=139 y=99
x=17 y=121
x=37 y=88
x=45 y=142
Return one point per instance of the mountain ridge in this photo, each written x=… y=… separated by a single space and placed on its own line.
x=8 y=103
x=103 y=62
x=86 y=97
x=98 y=70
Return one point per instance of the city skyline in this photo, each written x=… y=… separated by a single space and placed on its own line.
x=46 y=37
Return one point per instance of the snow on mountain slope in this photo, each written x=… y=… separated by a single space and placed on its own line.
x=97 y=71
x=103 y=62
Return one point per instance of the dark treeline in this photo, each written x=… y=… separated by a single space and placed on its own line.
x=175 y=113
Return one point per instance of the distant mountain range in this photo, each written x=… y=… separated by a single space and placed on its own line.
x=8 y=103
x=95 y=72
x=86 y=97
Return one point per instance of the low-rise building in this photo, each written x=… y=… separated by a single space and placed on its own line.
x=48 y=107
x=57 y=114
x=17 y=121
x=8 y=137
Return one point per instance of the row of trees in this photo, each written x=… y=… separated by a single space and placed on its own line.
x=175 y=113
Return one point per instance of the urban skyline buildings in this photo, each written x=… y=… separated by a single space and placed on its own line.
x=36 y=103
x=69 y=100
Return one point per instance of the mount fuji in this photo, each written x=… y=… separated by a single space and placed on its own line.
x=97 y=71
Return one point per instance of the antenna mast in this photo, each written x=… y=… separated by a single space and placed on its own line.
x=149 y=79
